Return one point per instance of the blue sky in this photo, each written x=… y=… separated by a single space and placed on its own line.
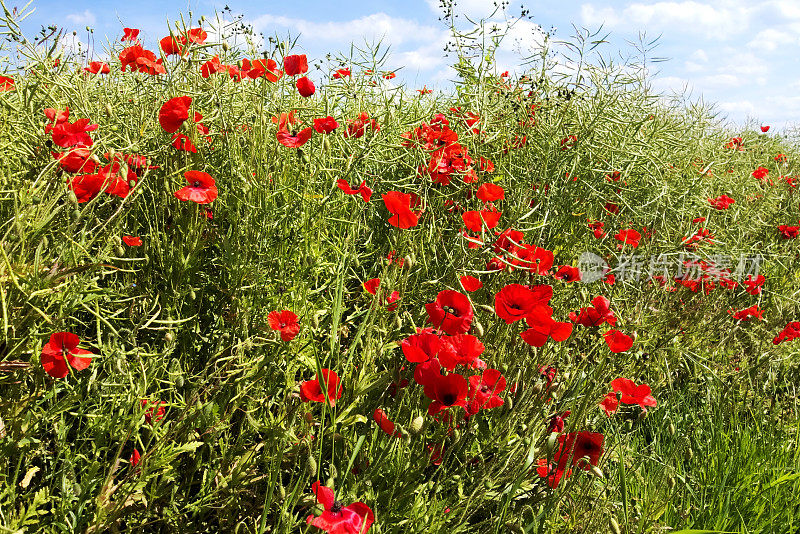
x=743 y=55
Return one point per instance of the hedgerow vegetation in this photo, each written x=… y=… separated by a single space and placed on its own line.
x=230 y=277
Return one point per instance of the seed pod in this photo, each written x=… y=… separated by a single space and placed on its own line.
x=109 y=110
x=478 y=329
x=689 y=455
x=614 y=526
x=671 y=429
x=552 y=443
x=416 y=425
x=225 y=46
x=311 y=466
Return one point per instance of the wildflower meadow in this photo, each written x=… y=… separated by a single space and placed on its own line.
x=245 y=290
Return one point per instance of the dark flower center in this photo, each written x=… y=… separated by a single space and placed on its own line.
x=451 y=310
x=448 y=399
x=196 y=184
x=336 y=508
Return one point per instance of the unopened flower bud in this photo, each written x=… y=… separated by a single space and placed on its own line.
x=552 y=443
x=416 y=425
x=614 y=526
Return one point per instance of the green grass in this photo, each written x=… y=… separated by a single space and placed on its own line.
x=183 y=319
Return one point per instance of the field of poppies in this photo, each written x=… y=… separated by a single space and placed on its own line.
x=244 y=290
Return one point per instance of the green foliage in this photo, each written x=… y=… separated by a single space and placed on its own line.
x=183 y=319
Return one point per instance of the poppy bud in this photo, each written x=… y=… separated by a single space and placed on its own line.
x=486 y=308
x=281 y=492
x=120 y=250
x=333 y=474
x=552 y=443
x=398 y=322
x=109 y=110
x=478 y=328
x=596 y=471
x=311 y=466
x=416 y=425
x=179 y=381
x=409 y=261
x=76 y=214
x=309 y=417
x=671 y=482
x=73 y=199
x=689 y=455
x=169 y=337
x=326 y=144
x=537 y=388
x=671 y=429
x=614 y=526
x=225 y=46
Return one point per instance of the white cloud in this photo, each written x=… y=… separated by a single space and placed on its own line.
x=86 y=18
x=699 y=55
x=771 y=39
x=714 y=22
x=396 y=31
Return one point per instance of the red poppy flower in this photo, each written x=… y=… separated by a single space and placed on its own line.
x=466 y=351
x=551 y=472
x=389 y=75
x=629 y=393
x=66 y=134
x=363 y=190
x=722 y=202
x=305 y=87
x=173 y=46
x=97 y=67
x=135 y=457
x=384 y=423
x=132 y=241
x=201 y=188
x=212 y=66
x=197 y=35
x=451 y=312
x=747 y=313
x=599 y=313
x=155 y=412
x=326 y=125
x=538 y=259
x=611 y=208
x=485 y=389
x=174 y=112
x=446 y=392
x=6 y=83
x=760 y=173
x=76 y=160
x=56 y=117
x=556 y=424
x=371 y=285
x=474 y=220
x=470 y=283
x=311 y=390
x=697 y=220
x=617 y=341
x=789 y=232
x=569 y=142
x=399 y=205
x=87 y=186
x=754 y=285
x=790 y=332
x=568 y=273
x=294 y=65
x=354 y=518
x=183 y=142
x=490 y=193
x=576 y=446
x=284 y=321
x=294 y=140
x=765 y=129
x=356 y=127
x=129 y=34
x=515 y=301
x=543 y=327
x=61 y=353
x=508 y=240
x=141 y=60
x=341 y=73
x=629 y=237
